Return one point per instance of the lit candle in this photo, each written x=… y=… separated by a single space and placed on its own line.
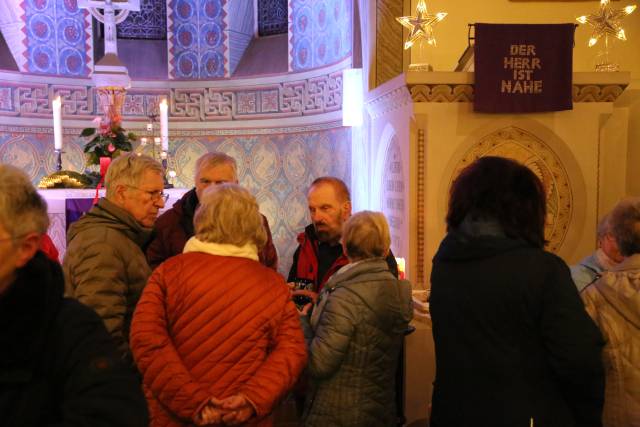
x=56 y=106
x=164 y=124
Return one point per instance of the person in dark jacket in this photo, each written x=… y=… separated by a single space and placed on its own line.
x=356 y=331
x=58 y=364
x=514 y=345
x=175 y=226
x=319 y=253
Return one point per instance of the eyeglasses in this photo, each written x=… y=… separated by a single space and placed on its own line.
x=155 y=195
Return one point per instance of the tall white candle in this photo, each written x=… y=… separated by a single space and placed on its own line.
x=164 y=125
x=56 y=106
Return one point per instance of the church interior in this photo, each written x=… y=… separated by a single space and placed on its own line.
x=299 y=89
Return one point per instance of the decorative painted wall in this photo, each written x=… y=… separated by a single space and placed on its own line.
x=150 y=22
x=273 y=17
x=312 y=94
x=197 y=39
x=57 y=37
x=320 y=32
x=277 y=168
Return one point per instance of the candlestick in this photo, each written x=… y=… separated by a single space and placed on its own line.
x=56 y=106
x=164 y=124
x=58 y=159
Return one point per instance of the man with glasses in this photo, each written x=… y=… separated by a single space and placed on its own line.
x=58 y=365
x=105 y=264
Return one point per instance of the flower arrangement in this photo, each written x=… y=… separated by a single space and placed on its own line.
x=109 y=139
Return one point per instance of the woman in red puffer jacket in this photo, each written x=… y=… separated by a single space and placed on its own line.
x=215 y=334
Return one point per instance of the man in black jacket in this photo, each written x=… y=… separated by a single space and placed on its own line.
x=58 y=365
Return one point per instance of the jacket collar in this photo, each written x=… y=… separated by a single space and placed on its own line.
x=351 y=271
x=629 y=263
x=222 y=249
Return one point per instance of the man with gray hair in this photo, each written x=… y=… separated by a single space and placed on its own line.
x=175 y=226
x=58 y=365
x=105 y=265
x=606 y=257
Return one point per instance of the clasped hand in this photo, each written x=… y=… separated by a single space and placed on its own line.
x=233 y=410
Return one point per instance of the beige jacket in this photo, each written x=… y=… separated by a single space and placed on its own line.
x=613 y=302
x=105 y=266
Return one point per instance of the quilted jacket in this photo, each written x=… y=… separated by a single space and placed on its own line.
x=614 y=304
x=358 y=327
x=105 y=266
x=213 y=326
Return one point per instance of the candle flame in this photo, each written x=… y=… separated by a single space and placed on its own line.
x=629 y=9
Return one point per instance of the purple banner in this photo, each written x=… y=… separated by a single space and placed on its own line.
x=523 y=68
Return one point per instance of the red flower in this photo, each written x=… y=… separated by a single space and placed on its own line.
x=111 y=148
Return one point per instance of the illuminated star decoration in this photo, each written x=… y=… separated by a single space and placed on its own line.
x=421 y=26
x=606 y=22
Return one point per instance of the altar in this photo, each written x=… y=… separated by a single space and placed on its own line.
x=60 y=209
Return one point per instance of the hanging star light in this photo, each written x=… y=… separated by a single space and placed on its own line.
x=421 y=26
x=606 y=22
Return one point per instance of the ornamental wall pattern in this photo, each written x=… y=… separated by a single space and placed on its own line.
x=320 y=32
x=197 y=41
x=313 y=95
x=57 y=37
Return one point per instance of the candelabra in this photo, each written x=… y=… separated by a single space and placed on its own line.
x=156 y=150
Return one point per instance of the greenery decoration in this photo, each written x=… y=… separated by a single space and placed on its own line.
x=109 y=139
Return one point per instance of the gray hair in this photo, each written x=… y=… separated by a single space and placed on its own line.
x=128 y=169
x=22 y=209
x=216 y=158
x=229 y=214
x=625 y=226
x=366 y=235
